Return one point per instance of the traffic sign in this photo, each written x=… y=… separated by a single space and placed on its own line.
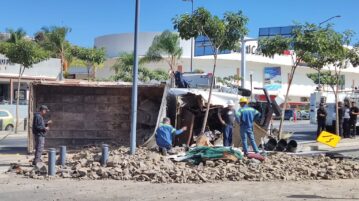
x=329 y=139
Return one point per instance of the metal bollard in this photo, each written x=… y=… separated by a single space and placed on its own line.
x=51 y=163
x=63 y=155
x=104 y=157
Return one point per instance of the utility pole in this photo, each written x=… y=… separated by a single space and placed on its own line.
x=134 y=83
x=243 y=60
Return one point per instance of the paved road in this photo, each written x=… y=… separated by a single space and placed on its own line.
x=302 y=130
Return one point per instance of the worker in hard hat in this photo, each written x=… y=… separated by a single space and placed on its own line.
x=227 y=117
x=245 y=116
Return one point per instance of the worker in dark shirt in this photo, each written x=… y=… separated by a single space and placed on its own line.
x=227 y=117
x=341 y=117
x=321 y=118
x=354 y=112
x=39 y=130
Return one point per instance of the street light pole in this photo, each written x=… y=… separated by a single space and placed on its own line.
x=134 y=83
x=320 y=24
x=191 y=38
x=327 y=20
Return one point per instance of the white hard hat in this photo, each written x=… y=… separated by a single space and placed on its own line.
x=230 y=103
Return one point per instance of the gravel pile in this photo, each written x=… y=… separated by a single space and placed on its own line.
x=150 y=166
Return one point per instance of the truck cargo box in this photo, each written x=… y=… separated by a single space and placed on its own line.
x=92 y=113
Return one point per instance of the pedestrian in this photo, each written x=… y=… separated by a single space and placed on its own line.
x=346 y=121
x=39 y=130
x=165 y=134
x=245 y=117
x=321 y=118
x=354 y=112
x=227 y=116
x=341 y=117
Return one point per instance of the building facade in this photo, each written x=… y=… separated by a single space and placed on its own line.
x=9 y=73
x=269 y=72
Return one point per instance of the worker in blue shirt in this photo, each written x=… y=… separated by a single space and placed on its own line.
x=164 y=135
x=245 y=116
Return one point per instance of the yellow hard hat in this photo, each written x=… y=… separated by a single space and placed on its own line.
x=243 y=100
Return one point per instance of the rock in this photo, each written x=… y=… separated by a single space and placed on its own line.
x=41 y=168
x=83 y=171
x=83 y=162
x=210 y=163
x=332 y=167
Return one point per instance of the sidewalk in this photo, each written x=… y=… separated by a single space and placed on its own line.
x=13 y=148
x=344 y=146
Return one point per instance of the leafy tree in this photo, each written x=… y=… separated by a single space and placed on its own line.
x=54 y=40
x=326 y=78
x=311 y=44
x=229 y=80
x=198 y=71
x=26 y=53
x=91 y=57
x=223 y=34
x=339 y=56
x=123 y=70
x=166 y=47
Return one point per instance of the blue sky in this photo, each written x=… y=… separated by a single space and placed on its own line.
x=91 y=18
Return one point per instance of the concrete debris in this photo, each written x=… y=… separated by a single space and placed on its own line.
x=147 y=165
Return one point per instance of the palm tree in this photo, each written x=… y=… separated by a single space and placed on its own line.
x=165 y=47
x=125 y=63
x=16 y=35
x=123 y=69
x=54 y=40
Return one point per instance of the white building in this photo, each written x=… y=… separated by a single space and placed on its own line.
x=271 y=73
x=46 y=70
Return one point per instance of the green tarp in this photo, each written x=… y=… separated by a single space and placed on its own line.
x=199 y=154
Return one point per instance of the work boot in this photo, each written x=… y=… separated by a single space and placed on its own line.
x=164 y=151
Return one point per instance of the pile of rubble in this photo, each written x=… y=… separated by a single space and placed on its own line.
x=147 y=165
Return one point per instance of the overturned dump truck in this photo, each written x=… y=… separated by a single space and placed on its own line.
x=92 y=113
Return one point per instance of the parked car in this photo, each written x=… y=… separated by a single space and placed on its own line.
x=291 y=114
x=6 y=120
x=304 y=114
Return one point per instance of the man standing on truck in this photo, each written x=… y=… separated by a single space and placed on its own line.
x=354 y=112
x=165 y=134
x=227 y=117
x=245 y=117
x=39 y=129
x=321 y=118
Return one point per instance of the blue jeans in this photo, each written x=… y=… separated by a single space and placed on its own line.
x=227 y=135
x=248 y=132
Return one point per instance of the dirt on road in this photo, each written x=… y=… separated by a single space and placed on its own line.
x=18 y=188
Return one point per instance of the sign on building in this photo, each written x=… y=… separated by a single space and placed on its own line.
x=272 y=78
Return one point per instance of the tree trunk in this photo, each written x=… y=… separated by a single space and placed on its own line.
x=291 y=75
x=210 y=92
x=88 y=73
x=21 y=71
